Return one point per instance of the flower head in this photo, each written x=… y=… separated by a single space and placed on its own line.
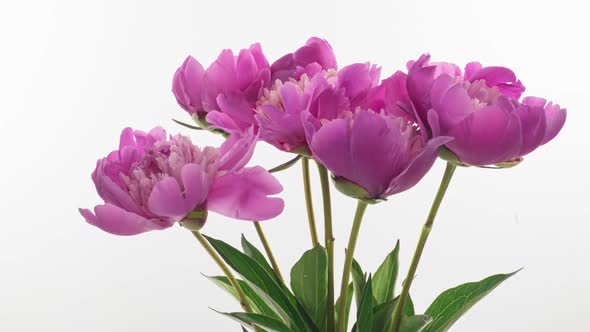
x=224 y=95
x=481 y=111
x=376 y=154
x=374 y=146
x=325 y=96
x=151 y=182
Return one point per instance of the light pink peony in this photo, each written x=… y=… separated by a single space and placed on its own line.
x=151 y=182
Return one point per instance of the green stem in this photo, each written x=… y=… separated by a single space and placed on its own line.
x=308 y=201
x=329 y=243
x=356 y=226
x=268 y=250
x=225 y=269
x=442 y=189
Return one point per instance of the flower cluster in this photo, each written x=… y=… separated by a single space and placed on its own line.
x=377 y=137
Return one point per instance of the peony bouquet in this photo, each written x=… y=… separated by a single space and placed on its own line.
x=371 y=138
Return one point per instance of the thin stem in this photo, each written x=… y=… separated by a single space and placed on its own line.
x=225 y=269
x=442 y=189
x=308 y=201
x=329 y=243
x=268 y=250
x=356 y=226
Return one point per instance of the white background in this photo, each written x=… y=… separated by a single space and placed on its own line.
x=74 y=73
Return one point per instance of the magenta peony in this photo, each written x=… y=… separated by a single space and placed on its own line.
x=480 y=110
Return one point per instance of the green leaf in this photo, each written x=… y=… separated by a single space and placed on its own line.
x=382 y=315
x=187 y=125
x=309 y=282
x=359 y=280
x=349 y=294
x=268 y=323
x=409 y=307
x=385 y=277
x=254 y=253
x=364 y=316
x=253 y=272
x=256 y=302
x=449 y=306
x=286 y=165
x=414 y=323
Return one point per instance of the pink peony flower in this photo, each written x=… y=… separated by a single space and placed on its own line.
x=151 y=182
x=225 y=96
x=373 y=145
x=325 y=96
x=481 y=111
x=227 y=91
x=373 y=155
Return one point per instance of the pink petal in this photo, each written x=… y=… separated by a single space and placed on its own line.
x=114 y=220
x=168 y=200
x=281 y=129
x=555 y=117
x=244 y=195
x=235 y=105
x=219 y=120
x=418 y=167
x=488 y=136
x=186 y=85
x=237 y=150
x=220 y=77
x=112 y=193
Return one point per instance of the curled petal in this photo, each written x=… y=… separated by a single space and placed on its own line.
x=357 y=80
x=235 y=105
x=419 y=82
x=316 y=50
x=222 y=121
x=113 y=219
x=418 y=167
x=281 y=129
x=488 y=136
x=169 y=200
x=112 y=193
x=245 y=195
x=220 y=77
x=534 y=127
x=555 y=117
x=236 y=150
x=495 y=76
x=186 y=85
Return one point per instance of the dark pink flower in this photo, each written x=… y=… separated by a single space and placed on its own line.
x=151 y=182
x=373 y=155
x=225 y=94
x=481 y=111
x=325 y=96
x=371 y=143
